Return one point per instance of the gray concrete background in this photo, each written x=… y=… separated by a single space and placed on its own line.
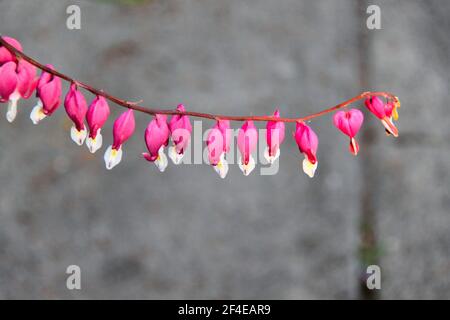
x=137 y=233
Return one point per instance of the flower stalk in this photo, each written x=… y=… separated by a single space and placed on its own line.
x=18 y=80
x=153 y=111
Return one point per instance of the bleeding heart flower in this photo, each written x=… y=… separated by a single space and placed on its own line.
x=96 y=117
x=49 y=96
x=307 y=142
x=76 y=108
x=123 y=129
x=8 y=80
x=5 y=54
x=274 y=138
x=247 y=142
x=17 y=80
x=156 y=138
x=349 y=122
x=218 y=142
x=27 y=80
x=180 y=130
x=384 y=112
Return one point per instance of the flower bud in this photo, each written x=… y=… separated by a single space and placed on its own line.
x=274 y=137
x=49 y=96
x=180 y=131
x=96 y=117
x=349 y=123
x=123 y=129
x=247 y=142
x=218 y=143
x=308 y=143
x=76 y=108
x=156 y=138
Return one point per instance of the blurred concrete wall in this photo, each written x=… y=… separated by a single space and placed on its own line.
x=137 y=233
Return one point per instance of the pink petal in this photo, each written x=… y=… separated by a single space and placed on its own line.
x=275 y=134
x=5 y=54
x=97 y=115
x=76 y=107
x=8 y=80
x=27 y=78
x=376 y=106
x=225 y=129
x=307 y=141
x=156 y=136
x=247 y=140
x=123 y=128
x=180 y=128
x=349 y=122
x=215 y=145
x=50 y=95
x=355 y=121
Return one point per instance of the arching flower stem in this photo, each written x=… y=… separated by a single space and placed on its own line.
x=153 y=111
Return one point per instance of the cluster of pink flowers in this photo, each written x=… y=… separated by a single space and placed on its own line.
x=18 y=80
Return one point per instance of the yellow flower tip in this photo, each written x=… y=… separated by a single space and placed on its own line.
x=395 y=113
x=397 y=102
x=222 y=167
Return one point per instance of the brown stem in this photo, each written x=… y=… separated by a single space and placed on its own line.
x=153 y=111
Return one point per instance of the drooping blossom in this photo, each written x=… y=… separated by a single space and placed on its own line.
x=307 y=142
x=180 y=132
x=247 y=142
x=123 y=129
x=218 y=143
x=17 y=80
x=274 y=137
x=156 y=138
x=48 y=93
x=384 y=112
x=349 y=122
x=76 y=108
x=96 y=117
x=5 y=54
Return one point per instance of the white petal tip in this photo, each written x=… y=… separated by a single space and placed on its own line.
x=175 y=156
x=247 y=168
x=271 y=159
x=12 y=111
x=161 y=162
x=390 y=127
x=309 y=168
x=94 y=144
x=10 y=117
x=78 y=136
x=221 y=168
x=37 y=114
x=112 y=157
